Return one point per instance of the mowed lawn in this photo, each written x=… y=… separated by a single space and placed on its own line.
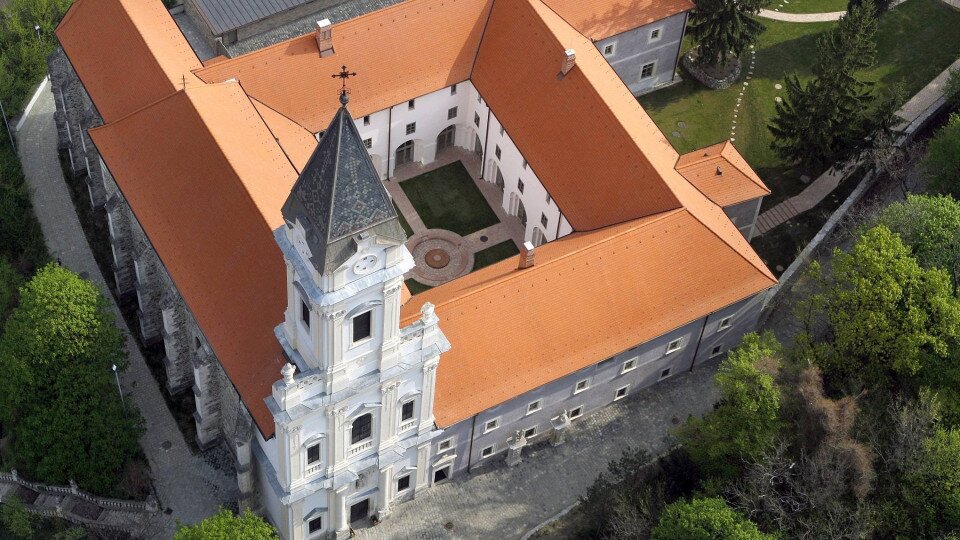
x=447 y=198
x=916 y=41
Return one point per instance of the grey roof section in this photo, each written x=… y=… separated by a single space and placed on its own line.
x=226 y=15
x=339 y=195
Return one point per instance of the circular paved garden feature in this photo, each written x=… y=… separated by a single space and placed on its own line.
x=440 y=256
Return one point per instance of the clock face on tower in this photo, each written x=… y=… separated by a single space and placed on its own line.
x=365 y=265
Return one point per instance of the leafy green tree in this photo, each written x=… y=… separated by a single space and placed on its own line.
x=9 y=283
x=930 y=226
x=226 y=526
x=885 y=312
x=22 y=53
x=15 y=518
x=931 y=491
x=951 y=90
x=705 y=519
x=942 y=162
x=746 y=421
x=720 y=27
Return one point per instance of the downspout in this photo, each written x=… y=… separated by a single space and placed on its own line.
x=686 y=19
x=696 y=351
x=559 y=219
x=389 y=144
x=486 y=141
x=470 y=451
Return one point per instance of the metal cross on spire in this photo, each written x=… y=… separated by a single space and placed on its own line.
x=343 y=76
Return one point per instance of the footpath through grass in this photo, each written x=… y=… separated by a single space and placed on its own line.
x=809 y=6
x=916 y=41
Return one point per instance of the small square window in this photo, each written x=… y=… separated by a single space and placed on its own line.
x=675 y=345
x=655 y=34
x=479 y=99
x=725 y=323
x=313 y=454
x=403 y=483
x=476 y=119
x=305 y=313
x=608 y=50
x=530 y=432
x=368 y=143
x=486 y=452
x=491 y=425
x=647 y=71
x=406 y=411
x=497 y=151
x=576 y=413
x=543 y=219
x=581 y=386
x=621 y=393
x=366 y=120
x=443 y=446
x=411 y=104
x=520 y=185
x=524 y=164
x=629 y=365
x=664 y=374
x=314 y=525
x=716 y=351
x=451 y=113
x=362 y=326
x=533 y=407
x=411 y=128
x=453 y=90
x=502 y=131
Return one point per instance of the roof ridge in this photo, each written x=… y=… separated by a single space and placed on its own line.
x=548 y=6
x=750 y=173
x=483 y=34
x=276 y=139
x=698 y=159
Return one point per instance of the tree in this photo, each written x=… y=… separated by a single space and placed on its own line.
x=931 y=490
x=15 y=518
x=746 y=421
x=930 y=226
x=9 y=283
x=942 y=163
x=226 y=526
x=951 y=90
x=720 y=27
x=705 y=519
x=885 y=312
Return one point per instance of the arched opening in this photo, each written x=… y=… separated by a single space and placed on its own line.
x=446 y=138
x=522 y=213
x=538 y=236
x=500 y=183
x=361 y=429
x=405 y=153
x=477 y=145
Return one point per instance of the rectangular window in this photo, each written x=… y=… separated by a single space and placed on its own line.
x=502 y=131
x=716 y=351
x=476 y=119
x=530 y=432
x=445 y=445
x=305 y=313
x=451 y=113
x=724 y=323
x=533 y=407
x=543 y=220
x=403 y=483
x=655 y=34
x=674 y=345
x=486 y=452
x=362 y=326
x=621 y=393
x=549 y=200
x=406 y=412
x=520 y=185
x=313 y=454
x=411 y=128
x=411 y=104
x=491 y=425
x=647 y=71
x=366 y=120
x=524 y=164
x=609 y=49
x=479 y=99
x=581 y=386
x=368 y=143
x=664 y=374
x=314 y=525
x=576 y=413
x=453 y=90
x=497 y=151
x=629 y=365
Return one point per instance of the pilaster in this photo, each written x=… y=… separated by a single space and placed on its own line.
x=385 y=492
x=388 y=414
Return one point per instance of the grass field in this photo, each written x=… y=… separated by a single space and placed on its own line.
x=916 y=41
x=447 y=198
x=494 y=254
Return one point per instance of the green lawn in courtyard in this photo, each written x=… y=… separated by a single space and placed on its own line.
x=403 y=221
x=447 y=198
x=416 y=287
x=494 y=254
x=916 y=41
x=808 y=6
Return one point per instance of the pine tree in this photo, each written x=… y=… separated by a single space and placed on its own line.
x=725 y=26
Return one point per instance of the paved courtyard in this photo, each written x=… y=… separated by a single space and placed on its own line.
x=186 y=484
x=497 y=501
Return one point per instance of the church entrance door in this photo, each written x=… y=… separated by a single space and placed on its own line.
x=405 y=153
x=446 y=138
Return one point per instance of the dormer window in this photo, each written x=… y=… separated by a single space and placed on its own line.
x=305 y=313
x=362 y=326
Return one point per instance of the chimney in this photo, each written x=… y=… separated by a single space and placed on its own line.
x=325 y=37
x=526 y=256
x=719 y=171
x=569 y=60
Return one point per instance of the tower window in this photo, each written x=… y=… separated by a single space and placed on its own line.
x=543 y=219
x=313 y=454
x=403 y=483
x=406 y=412
x=366 y=120
x=305 y=313
x=411 y=128
x=451 y=113
x=361 y=429
x=361 y=326
x=315 y=524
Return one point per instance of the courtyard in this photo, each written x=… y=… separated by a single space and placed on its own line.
x=455 y=220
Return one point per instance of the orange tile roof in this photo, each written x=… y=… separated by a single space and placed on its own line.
x=138 y=58
x=208 y=194
x=600 y=19
x=736 y=181
x=295 y=141
x=401 y=52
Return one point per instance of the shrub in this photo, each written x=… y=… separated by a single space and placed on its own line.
x=705 y=519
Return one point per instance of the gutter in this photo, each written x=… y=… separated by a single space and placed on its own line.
x=389 y=144
x=473 y=429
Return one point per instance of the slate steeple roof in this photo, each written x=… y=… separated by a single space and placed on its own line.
x=340 y=195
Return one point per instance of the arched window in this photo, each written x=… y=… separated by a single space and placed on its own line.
x=522 y=213
x=446 y=138
x=405 y=153
x=361 y=429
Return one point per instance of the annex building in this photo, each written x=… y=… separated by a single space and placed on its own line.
x=345 y=322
